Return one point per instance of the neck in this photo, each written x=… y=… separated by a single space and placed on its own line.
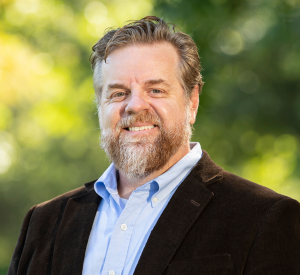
x=127 y=186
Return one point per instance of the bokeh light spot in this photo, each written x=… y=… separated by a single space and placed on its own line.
x=97 y=30
x=230 y=42
x=265 y=144
x=42 y=63
x=253 y=30
x=14 y=16
x=63 y=16
x=292 y=3
x=291 y=65
x=7 y=152
x=5 y=160
x=27 y=6
x=286 y=146
x=95 y=12
x=140 y=6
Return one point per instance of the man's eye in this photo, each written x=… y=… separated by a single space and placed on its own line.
x=120 y=94
x=155 y=91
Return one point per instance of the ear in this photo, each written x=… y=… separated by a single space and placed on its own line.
x=194 y=103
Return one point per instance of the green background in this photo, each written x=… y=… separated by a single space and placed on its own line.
x=249 y=115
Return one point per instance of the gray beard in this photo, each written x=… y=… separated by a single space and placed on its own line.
x=138 y=157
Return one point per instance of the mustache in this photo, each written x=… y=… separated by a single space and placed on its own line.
x=140 y=117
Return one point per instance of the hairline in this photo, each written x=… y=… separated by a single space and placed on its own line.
x=98 y=68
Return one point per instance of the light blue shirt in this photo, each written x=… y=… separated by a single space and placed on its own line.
x=122 y=227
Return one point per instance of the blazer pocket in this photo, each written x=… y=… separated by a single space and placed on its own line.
x=210 y=265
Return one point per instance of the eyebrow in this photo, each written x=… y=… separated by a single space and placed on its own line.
x=156 y=81
x=146 y=83
x=117 y=86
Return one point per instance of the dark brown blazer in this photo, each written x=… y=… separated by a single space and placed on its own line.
x=216 y=223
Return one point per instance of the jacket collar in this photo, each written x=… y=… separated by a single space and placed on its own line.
x=207 y=170
x=184 y=208
x=73 y=232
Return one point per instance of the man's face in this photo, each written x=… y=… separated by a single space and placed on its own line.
x=144 y=115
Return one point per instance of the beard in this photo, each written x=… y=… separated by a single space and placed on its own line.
x=138 y=157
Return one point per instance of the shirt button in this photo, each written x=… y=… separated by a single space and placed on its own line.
x=111 y=272
x=123 y=227
x=155 y=199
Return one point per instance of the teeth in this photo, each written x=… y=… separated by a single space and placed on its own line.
x=141 y=128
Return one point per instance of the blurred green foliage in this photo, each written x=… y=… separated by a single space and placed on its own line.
x=249 y=114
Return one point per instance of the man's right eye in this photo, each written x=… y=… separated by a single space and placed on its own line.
x=120 y=94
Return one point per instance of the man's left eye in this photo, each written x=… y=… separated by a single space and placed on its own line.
x=155 y=91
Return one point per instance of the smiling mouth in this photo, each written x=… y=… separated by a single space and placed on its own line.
x=141 y=128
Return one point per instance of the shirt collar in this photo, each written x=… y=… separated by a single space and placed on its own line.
x=106 y=185
x=170 y=180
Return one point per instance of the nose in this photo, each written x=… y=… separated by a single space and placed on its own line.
x=137 y=102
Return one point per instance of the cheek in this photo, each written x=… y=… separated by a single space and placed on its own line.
x=171 y=113
x=163 y=108
x=109 y=117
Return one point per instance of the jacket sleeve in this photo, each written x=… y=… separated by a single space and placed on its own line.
x=14 y=264
x=276 y=247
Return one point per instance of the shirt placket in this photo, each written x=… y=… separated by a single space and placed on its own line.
x=120 y=239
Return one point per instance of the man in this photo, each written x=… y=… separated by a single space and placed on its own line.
x=163 y=206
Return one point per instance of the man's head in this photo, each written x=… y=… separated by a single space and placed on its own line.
x=146 y=105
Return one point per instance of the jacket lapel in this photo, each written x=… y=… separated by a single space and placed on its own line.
x=73 y=233
x=184 y=208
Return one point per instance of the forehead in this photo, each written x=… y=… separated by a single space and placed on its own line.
x=141 y=62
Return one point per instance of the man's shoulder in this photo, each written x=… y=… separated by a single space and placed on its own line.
x=245 y=196
x=234 y=191
x=239 y=185
x=61 y=200
x=228 y=184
